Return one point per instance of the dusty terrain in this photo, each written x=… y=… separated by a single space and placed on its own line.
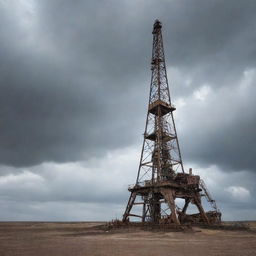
x=38 y=238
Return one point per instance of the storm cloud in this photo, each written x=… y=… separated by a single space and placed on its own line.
x=74 y=81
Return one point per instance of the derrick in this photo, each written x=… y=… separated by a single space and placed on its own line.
x=161 y=178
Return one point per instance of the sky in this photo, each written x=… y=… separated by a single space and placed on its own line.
x=74 y=85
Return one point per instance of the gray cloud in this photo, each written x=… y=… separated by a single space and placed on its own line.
x=74 y=75
x=74 y=81
x=219 y=128
x=86 y=191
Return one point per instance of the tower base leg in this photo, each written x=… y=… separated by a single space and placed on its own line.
x=168 y=196
x=129 y=206
x=201 y=210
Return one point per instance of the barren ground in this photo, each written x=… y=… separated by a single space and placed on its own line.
x=38 y=238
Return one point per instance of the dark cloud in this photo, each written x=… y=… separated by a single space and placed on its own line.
x=74 y=81
x=74 y=76
x=53 y=110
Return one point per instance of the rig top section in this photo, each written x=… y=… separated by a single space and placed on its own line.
x=157 y=25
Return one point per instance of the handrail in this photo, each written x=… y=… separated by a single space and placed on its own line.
x=208 y=195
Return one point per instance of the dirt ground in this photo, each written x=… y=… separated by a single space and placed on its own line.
x=53 y=239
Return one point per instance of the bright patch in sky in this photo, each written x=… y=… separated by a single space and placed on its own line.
x=239 y=193
x=202 y=92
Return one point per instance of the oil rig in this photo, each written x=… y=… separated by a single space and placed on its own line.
x=161 y=179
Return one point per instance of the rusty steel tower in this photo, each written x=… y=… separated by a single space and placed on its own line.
x=161 y=177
